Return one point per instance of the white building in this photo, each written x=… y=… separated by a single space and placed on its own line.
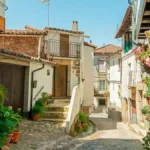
x=101 y=75
x=132 y=29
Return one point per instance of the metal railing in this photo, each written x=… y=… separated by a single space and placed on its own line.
x=63 y=49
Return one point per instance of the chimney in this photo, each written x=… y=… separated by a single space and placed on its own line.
x=75 y=26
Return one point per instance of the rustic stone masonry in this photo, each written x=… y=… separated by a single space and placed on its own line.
x=21 y=44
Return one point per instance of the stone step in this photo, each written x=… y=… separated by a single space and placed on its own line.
x=61 y=100
x=57 y=109
x=57 y=115
x=136 y=129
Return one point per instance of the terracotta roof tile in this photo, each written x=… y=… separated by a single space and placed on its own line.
x=58 y=29
x=108 y=49
x=90 y=44
x=24 y=32
x=7 y=52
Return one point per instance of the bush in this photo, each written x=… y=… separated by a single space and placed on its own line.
x=37 y=109
x=145 y=110
x=39 y=102
x=82 y=117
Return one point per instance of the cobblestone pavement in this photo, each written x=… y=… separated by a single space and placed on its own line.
x=44 y=135
x=50 y=136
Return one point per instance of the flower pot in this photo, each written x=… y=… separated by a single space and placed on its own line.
x=148 y=100
x=15 y=137
x=148 y=119
x=9 y=137
x=35 y=117
x=45 y=103
x=82 y=124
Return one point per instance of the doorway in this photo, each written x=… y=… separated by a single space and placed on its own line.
x=12 y=78
x=60 y=81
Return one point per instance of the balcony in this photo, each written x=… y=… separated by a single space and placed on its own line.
x=63 y=49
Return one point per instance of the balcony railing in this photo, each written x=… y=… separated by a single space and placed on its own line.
x=63 y=49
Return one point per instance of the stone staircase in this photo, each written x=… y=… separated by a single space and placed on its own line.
x=57 y=111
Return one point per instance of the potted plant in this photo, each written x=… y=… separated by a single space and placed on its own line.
x=17 y=119
x=146 y=110
x=82 y=118
x=36 y=110
x=147 y=117
x=147 y=95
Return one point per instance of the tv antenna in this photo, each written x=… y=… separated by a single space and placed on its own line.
x=48 y=6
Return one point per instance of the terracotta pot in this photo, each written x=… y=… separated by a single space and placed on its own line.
x=45 y=103
x=148 y=100
x=35 y=117
x=148 y=119
x=9 y=137
x=15 y=137
x=82 y=124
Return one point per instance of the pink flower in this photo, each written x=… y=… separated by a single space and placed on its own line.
x=148 y=62
x=134 y=50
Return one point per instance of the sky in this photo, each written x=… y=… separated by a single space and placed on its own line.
x=97 y=18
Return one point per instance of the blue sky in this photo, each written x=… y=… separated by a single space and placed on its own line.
x=97 y=18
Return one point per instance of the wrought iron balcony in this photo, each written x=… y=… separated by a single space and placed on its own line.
x=63 y=49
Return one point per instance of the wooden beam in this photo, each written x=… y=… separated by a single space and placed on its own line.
x=147 y=13
x=145 y=28
x=146 y=21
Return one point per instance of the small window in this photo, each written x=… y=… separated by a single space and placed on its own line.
x=102 y=85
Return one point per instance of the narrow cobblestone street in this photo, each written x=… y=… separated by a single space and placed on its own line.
x=109 y=135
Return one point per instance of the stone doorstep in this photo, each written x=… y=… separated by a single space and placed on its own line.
x=58 y=109
x=136 y=129
x=53 y=115
x=61 y=101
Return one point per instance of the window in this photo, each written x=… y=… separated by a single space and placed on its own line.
x=127 y=41
x=102 y=67
x=119 y=64
x=102 y=85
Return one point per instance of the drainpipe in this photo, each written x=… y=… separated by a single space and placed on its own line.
x=32 y=79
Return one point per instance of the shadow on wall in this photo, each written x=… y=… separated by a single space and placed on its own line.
x=111 y=144
x=114 y=114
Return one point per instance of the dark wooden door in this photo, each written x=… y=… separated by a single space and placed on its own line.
x=64 y=45
x=60 y=81
x=12 y=77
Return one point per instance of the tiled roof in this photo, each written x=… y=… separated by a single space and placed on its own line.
x=90 y=44
x=24 y=32
x=126 y=23
x=6 y=52
x=108 y=49
x=58 y=29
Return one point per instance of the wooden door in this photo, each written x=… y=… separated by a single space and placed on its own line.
x=60 y=81
x=12 y=77
x=64 y=45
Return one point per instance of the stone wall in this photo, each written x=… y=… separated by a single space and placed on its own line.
x=21 y=44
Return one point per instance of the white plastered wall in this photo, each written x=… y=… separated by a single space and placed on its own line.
x=88 y=92
x=42 y=80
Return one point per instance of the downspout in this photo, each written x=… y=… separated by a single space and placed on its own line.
x=32 y=79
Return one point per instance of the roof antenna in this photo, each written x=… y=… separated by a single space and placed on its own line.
x=48 y=4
